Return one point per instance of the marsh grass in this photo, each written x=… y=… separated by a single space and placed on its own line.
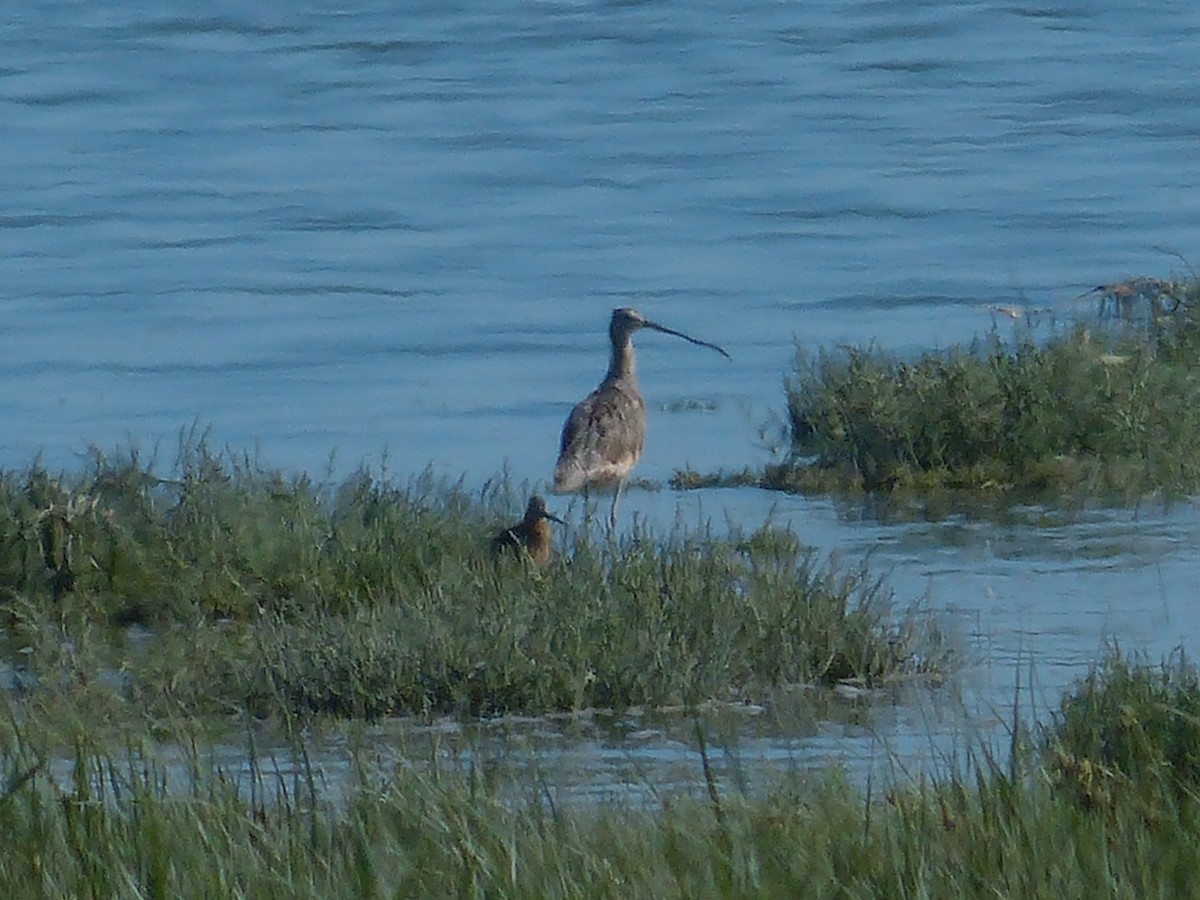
x=121 y=824
x=1111 y=410
x=280 y=595
x=1129 y=733
x=1109 y=413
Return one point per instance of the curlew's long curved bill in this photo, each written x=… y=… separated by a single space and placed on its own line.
x=546 y=514
x=665 y=330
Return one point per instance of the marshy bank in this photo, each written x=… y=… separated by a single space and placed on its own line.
x=1103 y=799
x=152 y=614
x=273 y=595
x=1106 y=407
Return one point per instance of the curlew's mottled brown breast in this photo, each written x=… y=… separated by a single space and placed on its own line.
x=602 y=438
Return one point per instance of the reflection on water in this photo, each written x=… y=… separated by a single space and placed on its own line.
x=639 y=756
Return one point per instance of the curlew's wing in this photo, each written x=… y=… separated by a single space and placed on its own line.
x=601 y=440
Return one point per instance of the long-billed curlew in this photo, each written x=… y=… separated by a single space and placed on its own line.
x=603 y=437
x=531 y=535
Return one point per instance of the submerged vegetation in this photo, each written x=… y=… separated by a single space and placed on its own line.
x=269 y=594
x=1070 y=815
x=1111 y=409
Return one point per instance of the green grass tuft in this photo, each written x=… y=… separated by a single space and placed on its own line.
x=1108 y=412
x=1111 y=411
x=280 y=595
x=1129 y=731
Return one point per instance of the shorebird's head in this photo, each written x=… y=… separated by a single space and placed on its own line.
x=625 y=321
x=537 y=510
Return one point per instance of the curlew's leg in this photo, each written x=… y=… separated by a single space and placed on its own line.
x=612 y=516
x=588 y=509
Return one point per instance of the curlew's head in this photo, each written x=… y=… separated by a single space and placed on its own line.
x=536 y=510
x=626 y=320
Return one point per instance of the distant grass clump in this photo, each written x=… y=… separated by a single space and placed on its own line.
x=123 y=825
x=1112 y=410
x=1129 y=732
x=1106 y=410
x=272 y=594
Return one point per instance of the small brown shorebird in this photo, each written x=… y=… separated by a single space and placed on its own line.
x=531 y=535
x=603 y=437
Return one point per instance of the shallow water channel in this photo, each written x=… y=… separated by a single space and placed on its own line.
x=1028 y=600
x=1029 y=603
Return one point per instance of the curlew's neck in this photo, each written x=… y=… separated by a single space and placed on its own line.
x=621 y=363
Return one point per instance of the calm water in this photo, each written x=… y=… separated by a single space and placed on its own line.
x=401 y=232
